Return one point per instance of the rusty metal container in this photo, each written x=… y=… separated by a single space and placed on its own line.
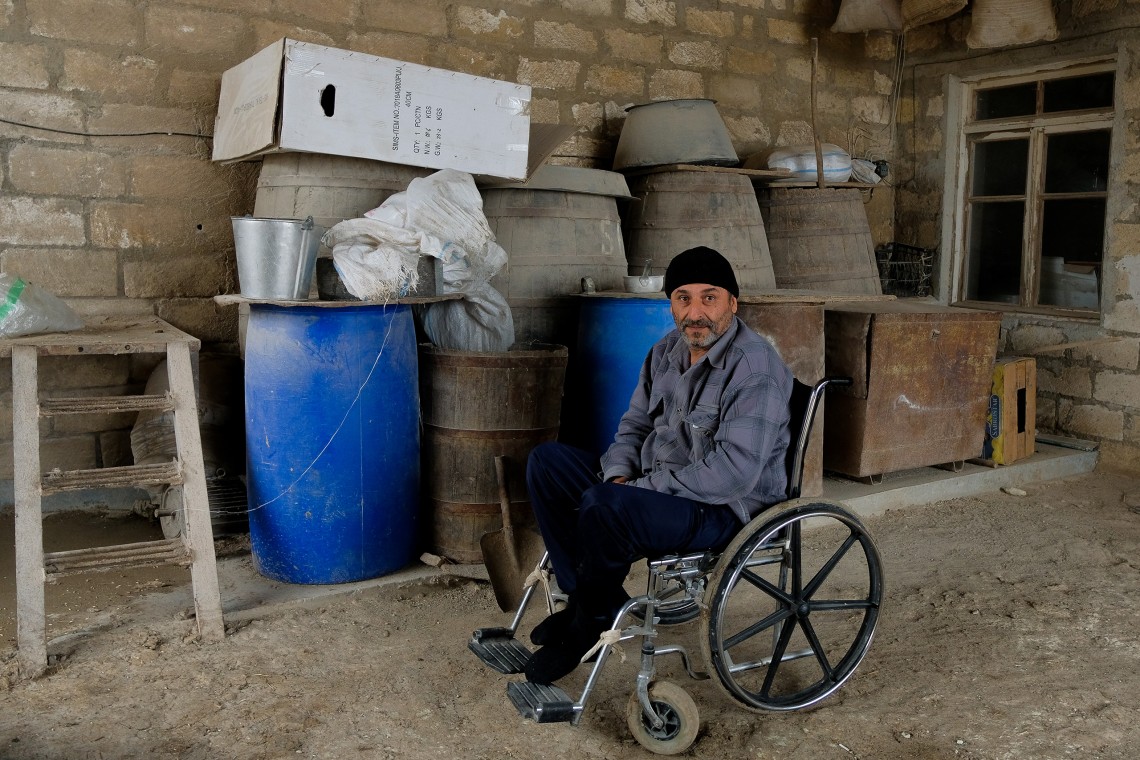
x=922 y=375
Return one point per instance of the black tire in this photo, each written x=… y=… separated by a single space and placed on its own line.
x=792 y=611
x=679 y=711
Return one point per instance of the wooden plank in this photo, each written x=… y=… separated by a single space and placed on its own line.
x=101 y=558
x=755 y=174
x=112 y=477
x=849 y=185
x=104 y=404
x=230 y=299
x=199 y=532
x=30 y=614
x=1067 y=442
x=105 y=336
x=771 y=296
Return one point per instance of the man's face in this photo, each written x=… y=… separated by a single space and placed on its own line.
x=702 y=313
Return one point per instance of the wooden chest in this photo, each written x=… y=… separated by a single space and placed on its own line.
x=922 y=375
x=794 y=327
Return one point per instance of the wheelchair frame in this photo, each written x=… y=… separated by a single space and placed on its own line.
x=661 y=715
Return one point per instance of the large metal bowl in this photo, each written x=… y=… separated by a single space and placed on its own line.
x=674 y=132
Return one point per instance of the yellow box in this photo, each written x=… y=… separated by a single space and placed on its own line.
x=1011 y=426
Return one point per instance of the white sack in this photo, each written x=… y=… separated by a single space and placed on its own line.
x=440 y=216
x=800 y=160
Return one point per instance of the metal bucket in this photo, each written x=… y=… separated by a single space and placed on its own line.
x=276 y=257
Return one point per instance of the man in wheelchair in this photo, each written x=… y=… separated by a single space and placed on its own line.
x=699 y=452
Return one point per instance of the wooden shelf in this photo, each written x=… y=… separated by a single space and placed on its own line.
x=234 y=298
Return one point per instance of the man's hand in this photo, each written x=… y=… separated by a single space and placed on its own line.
x=619 y=479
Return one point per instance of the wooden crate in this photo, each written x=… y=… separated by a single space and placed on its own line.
x=1011 y=428
x=922 y=374
x=795 y=330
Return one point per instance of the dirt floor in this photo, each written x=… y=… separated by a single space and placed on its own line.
x=1009 y=630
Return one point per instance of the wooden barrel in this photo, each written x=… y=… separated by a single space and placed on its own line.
x=820 y=240
x=328 y=188
x=477 y=406
x=553 y=238
x=684 y=209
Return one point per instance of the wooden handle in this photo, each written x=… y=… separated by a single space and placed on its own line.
x=505 y=506
x=815 y=132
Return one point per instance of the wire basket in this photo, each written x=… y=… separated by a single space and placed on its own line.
x=905 y=270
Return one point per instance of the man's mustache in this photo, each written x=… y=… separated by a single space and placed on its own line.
x=703 y=322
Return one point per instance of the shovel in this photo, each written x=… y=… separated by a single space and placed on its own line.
x=509 y=556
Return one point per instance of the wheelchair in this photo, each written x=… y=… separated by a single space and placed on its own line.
x=786 y=613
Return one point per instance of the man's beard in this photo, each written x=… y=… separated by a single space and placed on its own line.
x=709 y=338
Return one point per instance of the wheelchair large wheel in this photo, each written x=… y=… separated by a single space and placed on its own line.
x=792 y=606
x=679 y=713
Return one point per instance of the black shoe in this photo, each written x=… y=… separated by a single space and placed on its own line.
x=556 y=660
x=553 y=629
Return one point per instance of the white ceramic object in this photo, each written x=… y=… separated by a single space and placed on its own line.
x=644 y=283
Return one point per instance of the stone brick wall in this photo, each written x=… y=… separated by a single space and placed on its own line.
x=109 y=198
x=1088 y=376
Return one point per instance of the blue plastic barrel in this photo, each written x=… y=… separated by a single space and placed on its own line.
x=614 y=336
x=333 y=443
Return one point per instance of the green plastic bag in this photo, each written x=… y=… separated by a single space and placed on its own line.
x=28 y=309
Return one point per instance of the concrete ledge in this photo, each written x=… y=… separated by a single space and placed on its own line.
x=926 y=485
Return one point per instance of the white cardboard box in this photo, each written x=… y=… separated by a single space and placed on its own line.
x=298 y=96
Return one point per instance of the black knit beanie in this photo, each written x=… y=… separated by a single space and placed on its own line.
x=703 y=265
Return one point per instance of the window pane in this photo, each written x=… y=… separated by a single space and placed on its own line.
x=995 y=251
x=1079 y=93
x=1000 y=167
x=1002 y=102
x=1073 y=229
x=1072 y=245
x=1077 y=162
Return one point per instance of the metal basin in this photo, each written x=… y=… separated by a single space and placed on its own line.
x=674 y=132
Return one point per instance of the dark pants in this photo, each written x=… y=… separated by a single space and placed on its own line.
x=594 y=531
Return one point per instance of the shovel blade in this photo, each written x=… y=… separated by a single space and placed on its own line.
x=508 y=566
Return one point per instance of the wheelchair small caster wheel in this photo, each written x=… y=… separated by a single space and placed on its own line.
x=679 y=713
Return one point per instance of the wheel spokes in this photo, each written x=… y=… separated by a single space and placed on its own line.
x=777 y=657
x=817 y=647
x=776 y=617
x=828 y=566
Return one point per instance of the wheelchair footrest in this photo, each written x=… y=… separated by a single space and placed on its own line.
x=499 y=650
x=542 y=704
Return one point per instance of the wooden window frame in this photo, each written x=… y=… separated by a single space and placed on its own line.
x=961 y=102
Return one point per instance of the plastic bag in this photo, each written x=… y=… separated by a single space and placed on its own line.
x=863 y=170
x=28 y=309
x=440 y=216
x=800 y=160
x=376 y=261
